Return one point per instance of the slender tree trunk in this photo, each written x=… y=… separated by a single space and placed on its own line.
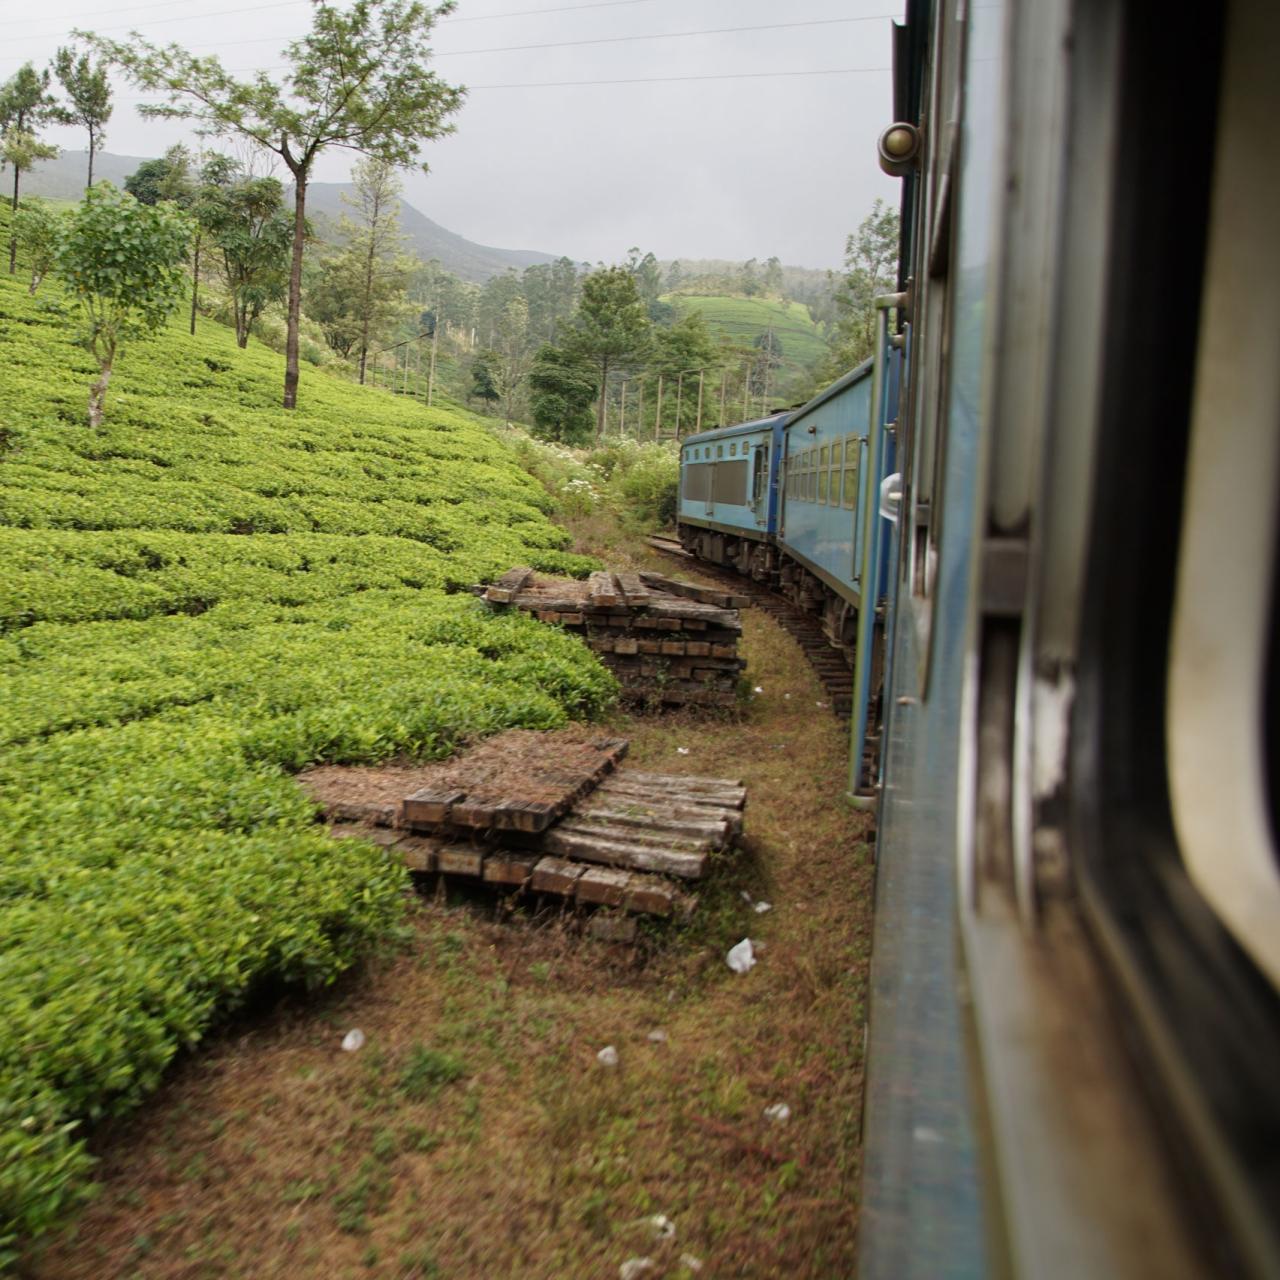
x=295 y=289
x=98 y=396
x=13 y=235
x=604 y=389
x=195 y=283
x=367 y=303
x=92 y=140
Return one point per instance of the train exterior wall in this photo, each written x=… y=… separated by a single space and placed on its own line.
x=729 y=479
x=823 y=489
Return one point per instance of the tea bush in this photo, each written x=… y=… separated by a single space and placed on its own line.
x=199 y=597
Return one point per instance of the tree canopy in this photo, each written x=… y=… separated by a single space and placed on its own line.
x=89 y=92
x=611 y=326
x=357 y=80
x=26 y=106
x=122 y=261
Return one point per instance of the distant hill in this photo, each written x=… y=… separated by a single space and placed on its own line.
x=63 y=179
x=465 y=258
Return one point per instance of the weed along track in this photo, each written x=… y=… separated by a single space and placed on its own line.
x=477 y=1132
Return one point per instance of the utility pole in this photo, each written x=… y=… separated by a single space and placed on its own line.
x=622 y=417
x=640 y=410
x=657 y=417
x=724 y=386
x=746 y=390
x=697 y=426
x=431 y=376
x=679 y=392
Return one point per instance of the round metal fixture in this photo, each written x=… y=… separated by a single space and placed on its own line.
x=899 y=148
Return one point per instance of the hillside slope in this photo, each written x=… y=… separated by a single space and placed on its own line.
x=745 y=319
x=200 y=597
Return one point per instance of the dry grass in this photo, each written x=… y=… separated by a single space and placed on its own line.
x=476 y=1135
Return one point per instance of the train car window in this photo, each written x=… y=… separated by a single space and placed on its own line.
x=850 y=497
x=719 y=451
x=822 y=486
x=733 y=449
x=822 y=456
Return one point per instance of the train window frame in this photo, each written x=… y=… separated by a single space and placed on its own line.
x=822 y=456
x=823 y=485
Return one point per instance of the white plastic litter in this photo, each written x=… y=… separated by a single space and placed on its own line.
x=759 y=689
x=746 y=897
x=741 y=957
x=682 y=751
x=762 y=907
x=353 y=1040
x=608 y=1056
x=690 y=1263
x=657 y=1036
x=778 y=1112
x=634 y=1268
x=663 y=1227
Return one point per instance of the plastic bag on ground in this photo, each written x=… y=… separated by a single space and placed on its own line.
x=741 y=957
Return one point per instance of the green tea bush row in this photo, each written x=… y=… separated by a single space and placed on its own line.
x=200 y=597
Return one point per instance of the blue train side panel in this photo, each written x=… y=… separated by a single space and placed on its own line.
x=825 y=490
x=729 y=478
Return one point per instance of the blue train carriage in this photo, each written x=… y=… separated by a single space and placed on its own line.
x=837 y=453
x=728 y=511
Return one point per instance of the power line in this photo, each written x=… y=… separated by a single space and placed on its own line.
x=186 y=17
x=572 y=84
x=530 y=13
x=741 y=75
x=483 y=17
x=666 y=35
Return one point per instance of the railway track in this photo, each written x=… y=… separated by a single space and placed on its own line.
x=828 y=662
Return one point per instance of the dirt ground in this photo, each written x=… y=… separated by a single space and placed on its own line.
x=476 y=1134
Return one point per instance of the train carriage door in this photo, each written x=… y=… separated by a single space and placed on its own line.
x=759 y=481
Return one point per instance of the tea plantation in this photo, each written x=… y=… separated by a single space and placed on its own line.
x=197 y=599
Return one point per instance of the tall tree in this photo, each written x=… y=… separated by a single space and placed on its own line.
x=89 y=91
x=870 y=261
x=514 y=351
x=250 y=234
x=26 y=106
x=562 y=386
x=679 y=354
x=611 y=327
x=357 y=80
x=374 y=238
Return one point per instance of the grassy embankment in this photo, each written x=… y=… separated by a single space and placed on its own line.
x=197 y=599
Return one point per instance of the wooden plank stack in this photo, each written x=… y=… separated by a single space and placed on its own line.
x=667 y=642
x=564 y=821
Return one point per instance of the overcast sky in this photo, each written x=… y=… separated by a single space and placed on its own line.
x=730 y=168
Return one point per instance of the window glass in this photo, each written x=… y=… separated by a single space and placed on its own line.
x=822 y=486
x=822 y=456
x=850 y=487
x=719 y=451
x=733 y=448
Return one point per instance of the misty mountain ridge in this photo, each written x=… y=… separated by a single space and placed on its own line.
x=63 y=179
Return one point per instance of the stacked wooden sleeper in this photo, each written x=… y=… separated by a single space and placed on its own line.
x=667 y=642
x=570 y=824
